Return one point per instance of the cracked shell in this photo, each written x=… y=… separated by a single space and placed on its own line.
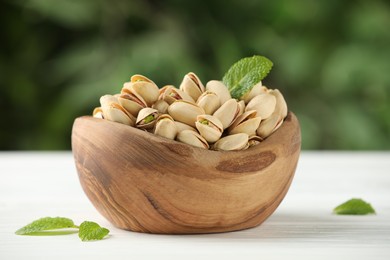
x=146 y=88
x=247 y=123
x=209 y=101
x=192 y=85
x=170 y=94
x=227 y=112
x=146 y=118
x=209 y=127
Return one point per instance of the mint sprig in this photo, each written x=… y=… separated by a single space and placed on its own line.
x=50 y=226
x=354 y=207
x=245 y=73
x=92 y=231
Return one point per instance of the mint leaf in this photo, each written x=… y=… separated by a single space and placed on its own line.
x=244 y=74
x=45 y=224
x=92 y=231
x=354 y=207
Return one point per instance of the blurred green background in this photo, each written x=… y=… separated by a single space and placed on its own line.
x=331 y=61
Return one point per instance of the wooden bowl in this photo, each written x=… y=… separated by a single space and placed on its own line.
x=145 y=183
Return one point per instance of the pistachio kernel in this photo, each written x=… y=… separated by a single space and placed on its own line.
x=148 y=119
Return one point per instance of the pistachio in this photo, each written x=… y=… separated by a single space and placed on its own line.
x=146 y=88
x=209 y=127
x=185 y=112
x=192 y=138
x=219 y=89
x=227 y=112
x=131 y=100
x=268 y=126
x=192 y=85
x=146 y=118
x=241 y=105
x=209 y=101
x=165 y=126
x=257 y=89
x=264 y=104
x=232 y=142
x=116 y=113
x=247 y=123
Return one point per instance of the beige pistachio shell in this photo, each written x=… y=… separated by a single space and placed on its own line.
x=161 y=106
x=209 y=101
x=127 y=101
x=247 y=123
x=227 y=112
x=116 y=113
x=166 y=127
x=181 y=127
x=257 y=89
x=232 y=142
x=98 y=113
x=209 y=127
x=264 y=104
x=192 y=85
x=281 y=105
x=192 y=138
x=269 y=125
x=219 y=89
x=146 y=88
x=171 y=94
x=185 y=112
x=146 y=118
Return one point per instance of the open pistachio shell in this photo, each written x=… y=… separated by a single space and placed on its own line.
x=131 y=100
x=166 y=127
x=192 y=85
x=227 y=112
x=257 y=89
x=161 y=106
x=264 y=104
x=146 y=88
x=247 y=123
x=185 y=112
x=146 y=118
x=171 y=94
x=209 y=101
x=269 y=125
x=219 y=89
x=106 y=100
x=116 y=113
x=192 y=138
x=232 y=142
x=281 y=105
x=209 y=127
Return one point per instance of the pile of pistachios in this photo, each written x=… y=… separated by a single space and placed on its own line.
x=202 y=116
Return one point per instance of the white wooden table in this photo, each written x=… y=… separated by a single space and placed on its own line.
x=39 y=184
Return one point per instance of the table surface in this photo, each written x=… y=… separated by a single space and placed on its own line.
x=39 y=184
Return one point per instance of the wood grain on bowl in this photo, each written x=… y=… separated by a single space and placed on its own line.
x=146 y=183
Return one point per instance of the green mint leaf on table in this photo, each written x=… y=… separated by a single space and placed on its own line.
x=45 y=224
x=92 y=231
x=354 y=207
x=244 y=74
